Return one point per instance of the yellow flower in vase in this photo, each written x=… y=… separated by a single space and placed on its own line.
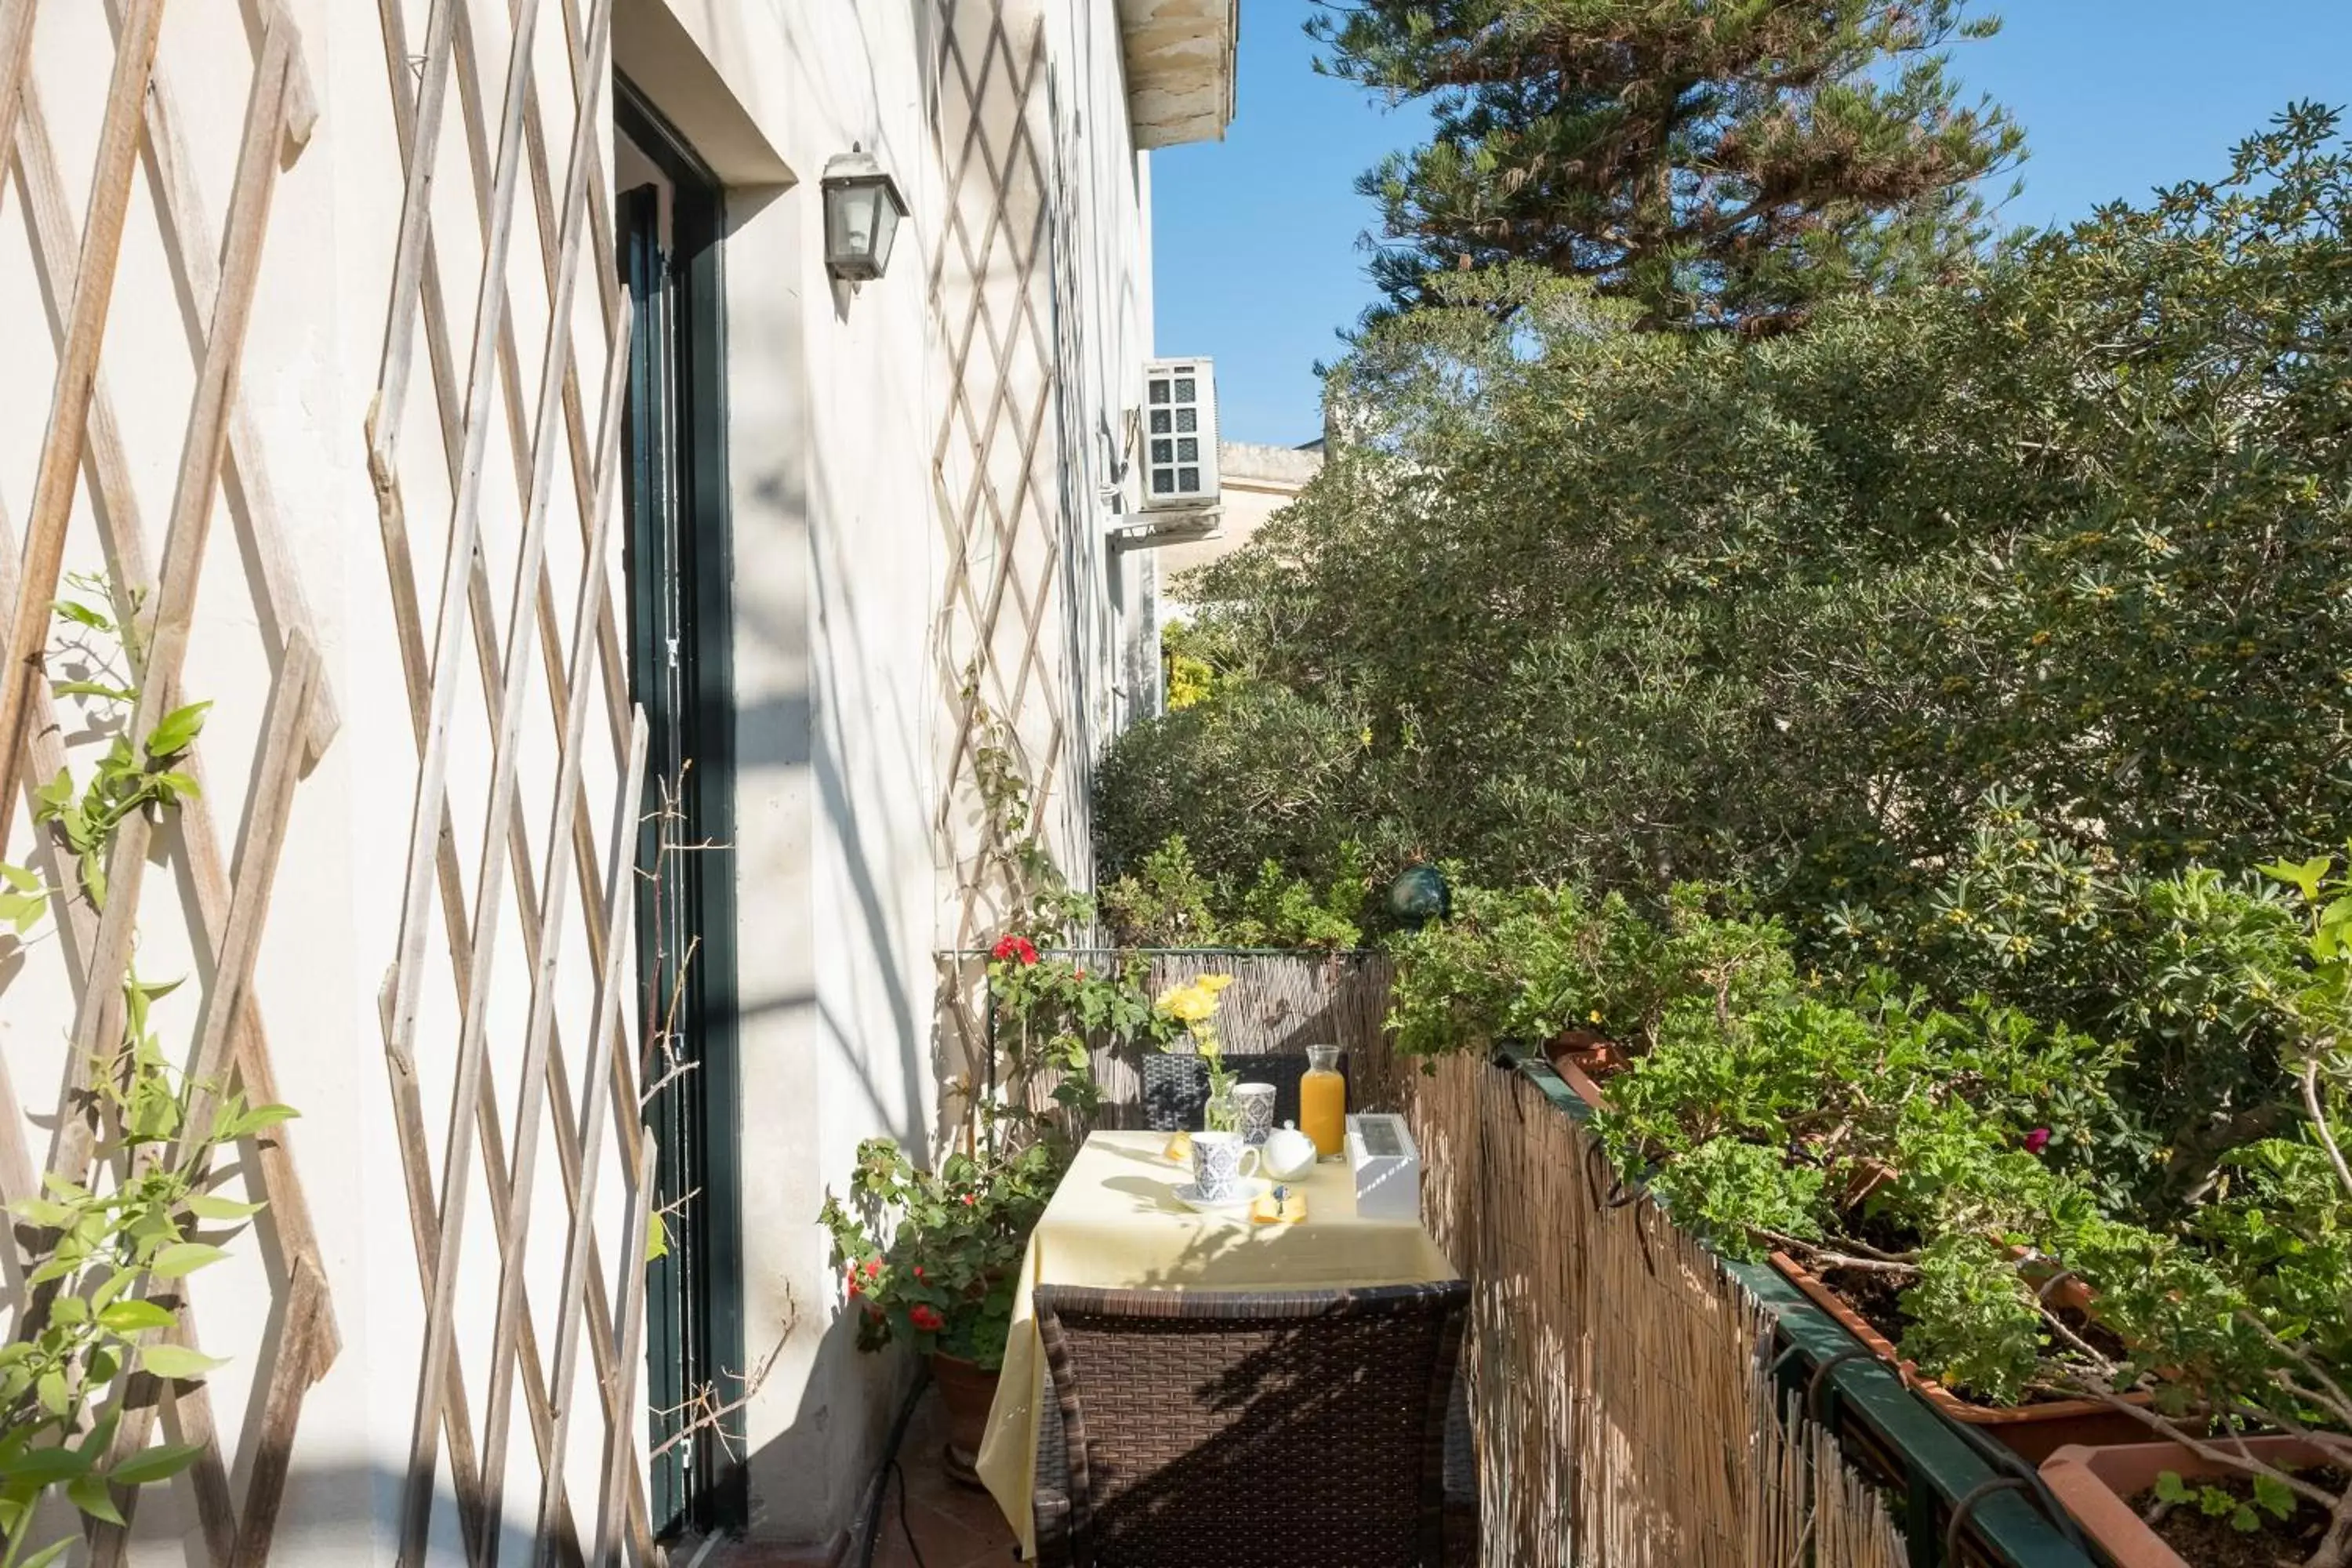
x=1196 y=1006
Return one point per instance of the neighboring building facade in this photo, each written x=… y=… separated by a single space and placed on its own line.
x=1256 y=482
x=441 y=385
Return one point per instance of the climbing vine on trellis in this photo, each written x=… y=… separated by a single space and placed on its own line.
x=106 y=1258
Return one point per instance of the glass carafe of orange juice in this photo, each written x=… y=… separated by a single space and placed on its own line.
x=1323 y=1101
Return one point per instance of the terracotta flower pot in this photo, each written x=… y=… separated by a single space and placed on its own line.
x=2033 y=1431
x=1580 y=1056
x=2096 y=1485
x=966 y=1393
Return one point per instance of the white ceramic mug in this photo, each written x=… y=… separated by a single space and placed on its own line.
x=1220 y=1163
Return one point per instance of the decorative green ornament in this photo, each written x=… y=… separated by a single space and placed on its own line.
x=1419 y=895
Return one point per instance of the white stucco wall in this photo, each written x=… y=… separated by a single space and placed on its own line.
x=847 y=658
x=848 y=469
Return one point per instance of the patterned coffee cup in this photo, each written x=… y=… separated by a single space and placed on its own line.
x=1222 y=1163
x=1254 y=1104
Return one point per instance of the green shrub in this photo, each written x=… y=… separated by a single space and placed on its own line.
x=1166 y=902
x=2188 y=971
x=1251 y=773
x=1638 y=608
x=1527 y=965
x=1876 y=1133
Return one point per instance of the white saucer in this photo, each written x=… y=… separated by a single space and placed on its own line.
x=1252 y=1189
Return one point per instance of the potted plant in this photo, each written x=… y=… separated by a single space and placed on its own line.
x=2163 y=1505
x=1588 y=981
x=2239 y=1322
x=932 y=1258
x=1890 y=1158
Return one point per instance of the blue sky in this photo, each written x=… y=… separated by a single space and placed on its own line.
x=1257 y=262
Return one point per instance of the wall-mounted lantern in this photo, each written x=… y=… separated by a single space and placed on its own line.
x=862 y=209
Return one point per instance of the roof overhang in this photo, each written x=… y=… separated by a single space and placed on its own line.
x=1179 y=68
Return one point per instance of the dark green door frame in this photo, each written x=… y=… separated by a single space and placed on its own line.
x=681 y=652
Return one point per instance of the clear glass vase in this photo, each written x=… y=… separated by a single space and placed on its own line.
x=1221 y=1113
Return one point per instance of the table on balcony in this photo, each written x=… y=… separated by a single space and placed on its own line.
x=1114 y=1222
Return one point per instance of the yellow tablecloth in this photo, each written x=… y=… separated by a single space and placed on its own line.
x=1113 y=1223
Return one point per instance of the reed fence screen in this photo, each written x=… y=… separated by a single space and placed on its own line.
x=1626 y=1412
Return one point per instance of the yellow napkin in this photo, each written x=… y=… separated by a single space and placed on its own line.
x=1288 y=1208
x=1179 y=1150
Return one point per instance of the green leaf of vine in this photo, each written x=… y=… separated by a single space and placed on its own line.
x=170 y=1361
x=182 y=1258
x=92 y=1495
x=134 y=1316
x=176 y=729
x=156 y=1464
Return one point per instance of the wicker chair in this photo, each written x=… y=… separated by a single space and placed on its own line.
x=1292 y=1429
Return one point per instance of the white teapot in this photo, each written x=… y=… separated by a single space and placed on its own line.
x=1288 y=1154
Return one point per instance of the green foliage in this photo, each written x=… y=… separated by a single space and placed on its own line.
x=1638 y=607
x=1530 y=963
x=934 y=1258
x=1716 y=164
x=1191 y=675
x=2266 y=1495
x=103 y=1259
x=1251 y=773
x=1050 y=1011
x=1876 y=1131
x=109 y=1258
x=2188 y=969
x=1166 y=902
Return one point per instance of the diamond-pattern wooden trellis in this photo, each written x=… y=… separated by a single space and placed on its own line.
x=1009 y=466
x=521 y=652
x=231 y=894
x=994 y=463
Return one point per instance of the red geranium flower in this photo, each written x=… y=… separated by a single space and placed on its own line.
x=873 y=1269
x=923 y=1318
x=1018 y=947
x=919 y=1271
x=2037 y=1140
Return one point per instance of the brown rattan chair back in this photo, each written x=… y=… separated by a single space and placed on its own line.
x=1291 y=1430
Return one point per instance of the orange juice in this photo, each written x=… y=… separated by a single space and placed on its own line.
x=1323 y=1101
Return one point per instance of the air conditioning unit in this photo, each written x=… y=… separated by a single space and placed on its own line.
x=1180 y=435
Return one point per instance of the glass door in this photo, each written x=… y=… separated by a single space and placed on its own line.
x=668 y=216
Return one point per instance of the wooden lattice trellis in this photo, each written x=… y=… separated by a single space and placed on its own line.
x=231 y=895
x=599 y=1299
x=1000 y=649
x=525 y=651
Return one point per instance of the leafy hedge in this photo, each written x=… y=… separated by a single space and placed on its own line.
x=1637 y=608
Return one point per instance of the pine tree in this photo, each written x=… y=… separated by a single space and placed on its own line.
x=1723 y=163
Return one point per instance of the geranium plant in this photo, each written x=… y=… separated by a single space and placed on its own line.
x=1050 y=1011
x=933 y=1257
x=1878 y=1136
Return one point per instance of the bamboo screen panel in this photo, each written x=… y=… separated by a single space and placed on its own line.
x=209 y=907
x=1624 y=1416
x=511 y=1065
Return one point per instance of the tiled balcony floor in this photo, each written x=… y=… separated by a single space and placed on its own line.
x=951 y=1526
